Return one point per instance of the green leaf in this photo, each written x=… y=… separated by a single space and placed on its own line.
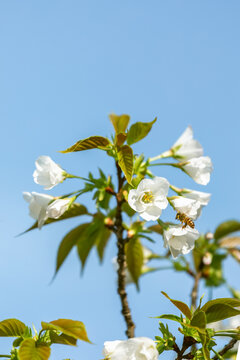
x=30 y=350
x=75 y=209
x=68 y=242
x=125 y=161
x=120 y=122
x=102 y=240
x=138 y=131
x=73 y=328
x=220 y=312
x=180 y=305
x=226 y=228
x=169 y=317
x=87 y=240
x=62 y=339
x=92 y=142
x=199 y=320
x=226 y=301
x=134 y=256
x=12 y=327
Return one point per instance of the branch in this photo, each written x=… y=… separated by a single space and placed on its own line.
x=187 y=342
x=227 y=347
x=194 y=293
x=121 y=258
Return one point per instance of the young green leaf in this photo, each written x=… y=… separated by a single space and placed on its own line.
x=199 y=320
x=226 y=301
x=62 y=339
x=180 y=305
x=134 y=255
x=138 y=131
x=120 y=122
x=30 y=350
x=230 y=242
x=92 y=142
x=68 y=242
x=125 y=161
x=102 y=240
x=218 y=312
x=73 y=328
x=170 y=317
x=12 y=327
x=226 y=228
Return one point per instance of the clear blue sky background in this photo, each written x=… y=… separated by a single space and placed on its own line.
x=64 y=66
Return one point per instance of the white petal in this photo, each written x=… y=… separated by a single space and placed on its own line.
x=200 y=196
x=27 y=196
x=160 y=186
x=145 y=185
x=134 y=201
x=186 y=136
x=151 y=213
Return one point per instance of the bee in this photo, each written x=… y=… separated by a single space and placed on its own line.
x=185 y=220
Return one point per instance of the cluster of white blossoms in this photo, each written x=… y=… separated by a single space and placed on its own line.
x=138 y=348
x=150 y=197
x=43 y=206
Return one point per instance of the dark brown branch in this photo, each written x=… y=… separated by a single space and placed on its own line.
x=121 y=258
x=187 y=342
x=226 y=348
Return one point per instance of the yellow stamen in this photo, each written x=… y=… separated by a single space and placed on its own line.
x=147 y=197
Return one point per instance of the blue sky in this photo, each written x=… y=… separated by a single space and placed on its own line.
x=64 y=66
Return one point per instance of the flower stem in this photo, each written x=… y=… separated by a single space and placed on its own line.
x=121 y=258
x=194 y=293
x=164 y=155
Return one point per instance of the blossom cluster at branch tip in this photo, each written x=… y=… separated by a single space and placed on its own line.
x=150 y=198
x=137 y=348
x=48 y=173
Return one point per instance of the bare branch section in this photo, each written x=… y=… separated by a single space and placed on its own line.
x=121 y=258
x=226 y=348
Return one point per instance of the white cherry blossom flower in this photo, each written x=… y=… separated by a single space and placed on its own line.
x=186 y=147
x=47 y=173
x=149 y=199
x=138 y=348
x=180 y=240
x=189 y=207
x=200 y=196
x=199 y=169
x=57 y=208
x=38 y=204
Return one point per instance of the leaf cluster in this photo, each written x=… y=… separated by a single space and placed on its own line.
x=27 y=346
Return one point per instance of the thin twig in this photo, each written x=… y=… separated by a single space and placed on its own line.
x=121 y=258
x=226 y=348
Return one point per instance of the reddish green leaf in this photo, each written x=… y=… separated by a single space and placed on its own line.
x=180 y=305
x=92 y=142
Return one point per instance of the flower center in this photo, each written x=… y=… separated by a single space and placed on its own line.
x=147 y=197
